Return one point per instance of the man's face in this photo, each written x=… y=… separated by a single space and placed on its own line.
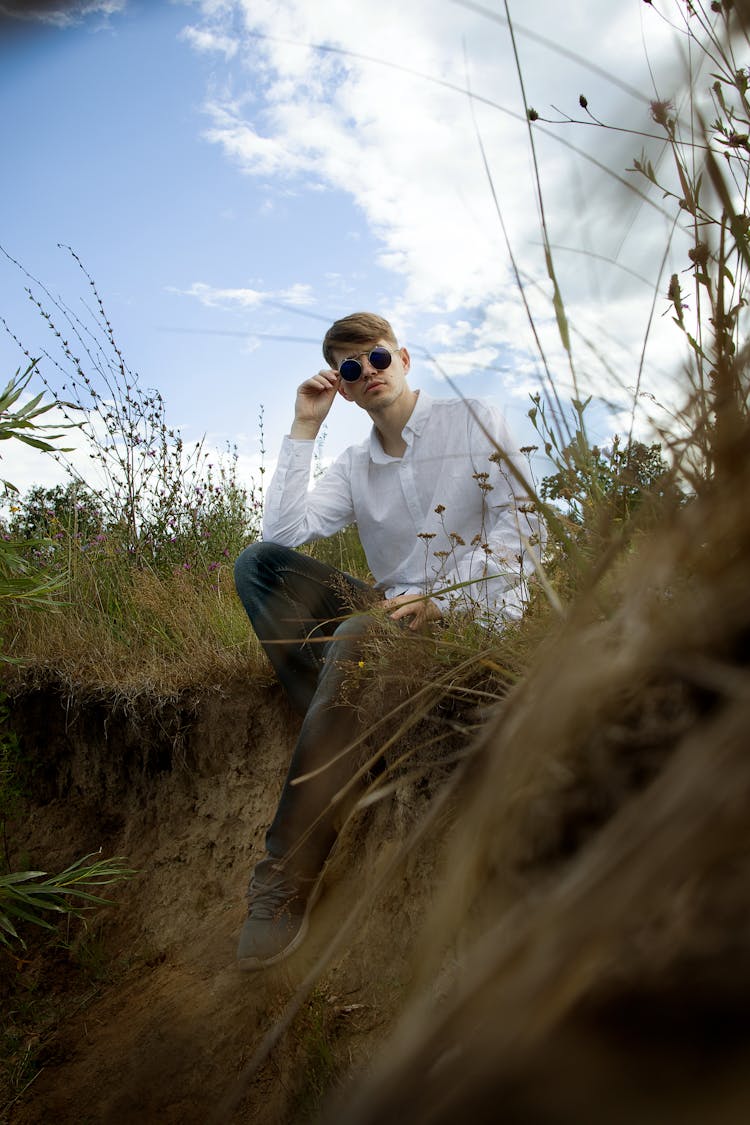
x=374 y=389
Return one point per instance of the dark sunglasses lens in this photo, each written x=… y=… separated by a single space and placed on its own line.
x=380 y=358
x=350 y=370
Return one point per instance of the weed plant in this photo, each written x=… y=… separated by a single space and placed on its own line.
x=140 y=554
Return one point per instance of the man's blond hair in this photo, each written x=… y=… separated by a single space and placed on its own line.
x=357 y=331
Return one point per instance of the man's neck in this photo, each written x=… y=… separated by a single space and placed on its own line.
x=390 y=421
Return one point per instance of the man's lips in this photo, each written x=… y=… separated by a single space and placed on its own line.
x=373 y=386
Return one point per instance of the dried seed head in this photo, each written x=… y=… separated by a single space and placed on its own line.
x=698 y=254
x=660 y=112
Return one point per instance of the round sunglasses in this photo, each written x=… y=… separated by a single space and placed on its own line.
x=379 y=358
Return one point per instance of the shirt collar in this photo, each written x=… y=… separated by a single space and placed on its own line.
x=413 y=428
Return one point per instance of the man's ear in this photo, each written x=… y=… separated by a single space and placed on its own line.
x=343 y=391
x=406 y=360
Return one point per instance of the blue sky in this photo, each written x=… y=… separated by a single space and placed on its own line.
x=232 y=189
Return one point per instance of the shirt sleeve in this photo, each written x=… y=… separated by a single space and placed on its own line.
x=293 y=513
x=492 y=571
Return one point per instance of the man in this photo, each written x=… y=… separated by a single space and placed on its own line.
x=439 y=524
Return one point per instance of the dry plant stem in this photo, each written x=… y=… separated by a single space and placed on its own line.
x=647 y=333
x=514 y=264
x=562 y=321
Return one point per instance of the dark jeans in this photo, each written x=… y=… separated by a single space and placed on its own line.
x=309 y=619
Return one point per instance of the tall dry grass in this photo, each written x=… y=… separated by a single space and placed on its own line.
x=591 y=937
x=587 y=958
x=596 y=883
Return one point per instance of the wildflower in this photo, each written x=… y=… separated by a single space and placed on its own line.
x=660 y=113
x=457 y=539
x=583 y=101
x=532 y=114
x=360 y=664
x=440 y=509
x=525 y=449
x=426 y=535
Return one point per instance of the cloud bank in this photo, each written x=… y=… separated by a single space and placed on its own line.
x=416 y=112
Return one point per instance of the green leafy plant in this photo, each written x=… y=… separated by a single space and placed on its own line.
x=622 y=476
x=31 y=896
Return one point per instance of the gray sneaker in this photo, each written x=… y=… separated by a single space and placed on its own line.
x=278 y=910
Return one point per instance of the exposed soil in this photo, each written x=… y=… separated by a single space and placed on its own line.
x=185 y=791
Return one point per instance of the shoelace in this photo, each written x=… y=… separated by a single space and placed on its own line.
x=268 y=900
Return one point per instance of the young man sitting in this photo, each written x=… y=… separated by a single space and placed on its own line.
x=440 y=526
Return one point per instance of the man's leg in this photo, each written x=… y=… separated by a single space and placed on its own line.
x=296 y=606
x=328 y=754
x=294 y=603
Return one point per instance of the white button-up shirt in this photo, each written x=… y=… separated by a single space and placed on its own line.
x=443 y=519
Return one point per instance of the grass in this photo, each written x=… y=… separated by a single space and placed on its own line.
x=187 y=629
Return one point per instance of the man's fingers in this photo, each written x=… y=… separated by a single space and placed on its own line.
x=414 y=610
x=323 y=381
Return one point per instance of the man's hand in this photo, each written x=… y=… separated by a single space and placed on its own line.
x=314 y=399
x=421 y=610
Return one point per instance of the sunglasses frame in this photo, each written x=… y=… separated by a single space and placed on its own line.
x=352 y=362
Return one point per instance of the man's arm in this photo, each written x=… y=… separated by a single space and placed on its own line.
x=314 y=399
x=293 y=515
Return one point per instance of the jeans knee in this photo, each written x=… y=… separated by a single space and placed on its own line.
x=351 y=634
x=256 y=557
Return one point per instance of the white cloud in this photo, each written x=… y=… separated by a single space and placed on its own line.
x=379 y=115
x=445 y=335
x=466 y=361
x=297 y=295
x=203 y=40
